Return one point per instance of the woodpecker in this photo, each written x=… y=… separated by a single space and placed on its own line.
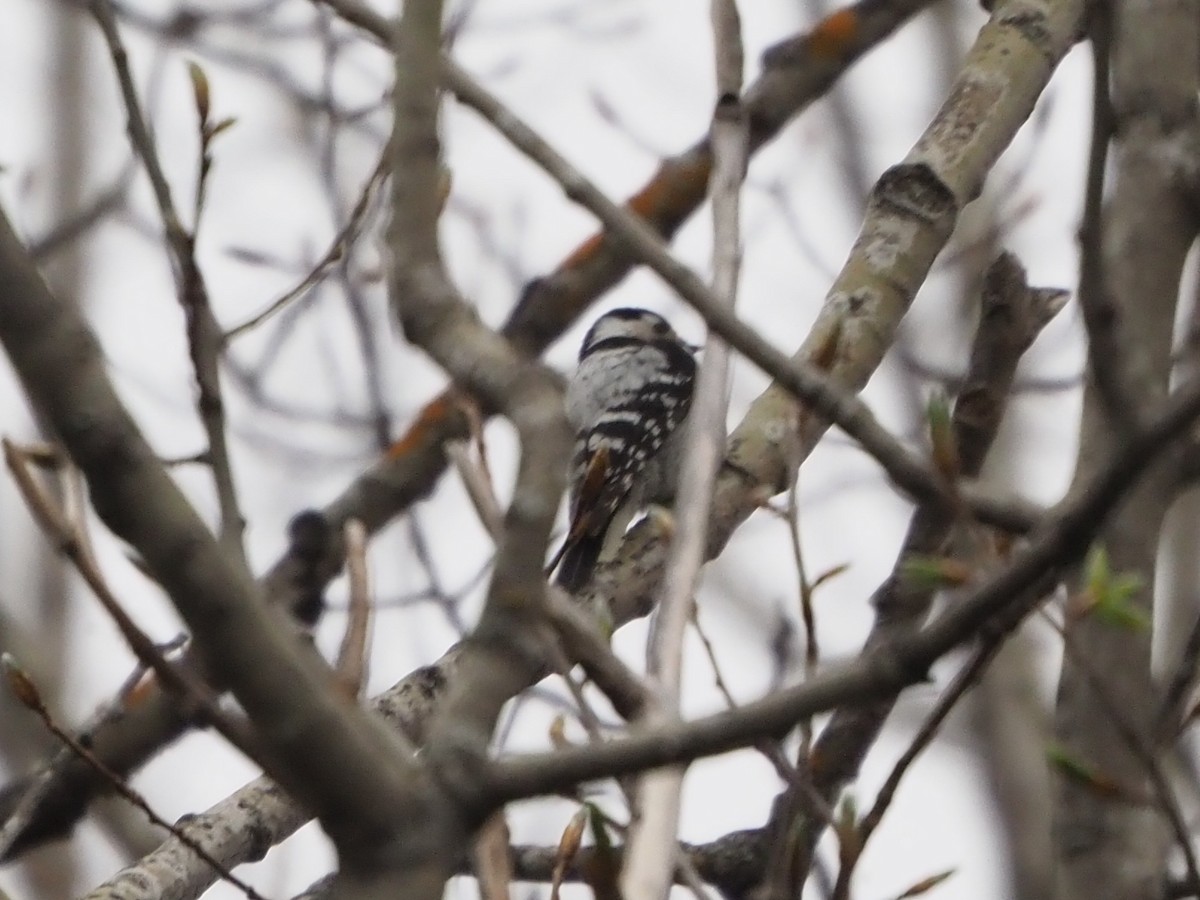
x=627 y=400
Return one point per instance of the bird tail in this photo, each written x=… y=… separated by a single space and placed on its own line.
x=579 y=558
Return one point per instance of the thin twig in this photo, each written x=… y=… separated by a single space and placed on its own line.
x=711 y=652
x=338 y=248
x=205 y=341
x=1107 y=352
x=32 y=796
x=66 y=536
x=628 y=693
x=964 y=680
x=781 y=876
x=26 y=691
x=108 y=202
x=583 y=643
x=648 y=863
x=40 y=786
x=1012 y=315
x=479 y=487
x=812 y=647
x=1170 y=717
x=352 y=660
x=788 y=773
x=812 y=651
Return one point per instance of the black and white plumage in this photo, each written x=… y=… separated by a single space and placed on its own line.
x=627 y=400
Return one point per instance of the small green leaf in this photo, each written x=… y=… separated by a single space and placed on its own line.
x=604 y=874
x=1111 y=596
x=1122 y=613
x=847 y=811
x=845 y=826
x=1096 y=568
x=941 y=435
x=1062 y=760
x=1077 y=770
x=603 y=839
x=935 y=572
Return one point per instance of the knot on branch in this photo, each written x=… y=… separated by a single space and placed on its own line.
x=915 y=190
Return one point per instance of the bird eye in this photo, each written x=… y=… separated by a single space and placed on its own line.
x=661 y=327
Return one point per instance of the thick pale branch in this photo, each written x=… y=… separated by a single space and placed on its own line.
x=650 y=859
x=506 y=651
x=1133 y=263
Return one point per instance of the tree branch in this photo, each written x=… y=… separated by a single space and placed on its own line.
x=204 y=337
x=335 y=759
x=649 y=864
x=884 y=669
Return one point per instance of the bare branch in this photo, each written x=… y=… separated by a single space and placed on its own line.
x=966 y=678
x=204 y=334
x=1012 y=315
x=29 y=695
x=68 y=536
x=352 y=655
x=650 y=859
x=479 y=488
x=507 y=647
x=1108 y=362
x=889 y=666
x=336 y=253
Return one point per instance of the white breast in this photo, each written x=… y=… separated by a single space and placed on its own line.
x=609 y=379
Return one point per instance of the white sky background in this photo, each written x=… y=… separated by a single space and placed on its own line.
x=560 y=64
